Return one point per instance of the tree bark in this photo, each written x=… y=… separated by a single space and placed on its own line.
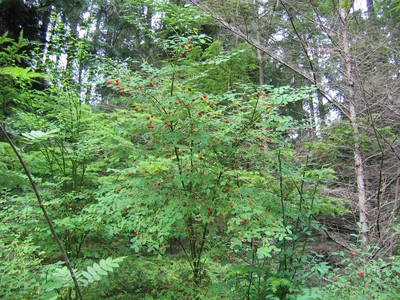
x=260 y=61
x=347 y=66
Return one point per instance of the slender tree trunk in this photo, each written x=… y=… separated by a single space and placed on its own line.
x=353 y=114
x=321 y=111
x=260 y=54
x=370 y=6
x=260 y=60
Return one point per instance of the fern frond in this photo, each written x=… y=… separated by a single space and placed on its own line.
x=61 y=277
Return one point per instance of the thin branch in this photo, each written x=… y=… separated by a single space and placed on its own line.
x=47 y=217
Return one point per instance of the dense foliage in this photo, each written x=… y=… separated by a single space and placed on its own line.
x=178 y=162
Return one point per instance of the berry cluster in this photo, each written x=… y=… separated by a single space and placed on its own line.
x=186 y=48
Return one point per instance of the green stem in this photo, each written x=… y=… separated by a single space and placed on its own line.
x=251 y=273
x=282 y=199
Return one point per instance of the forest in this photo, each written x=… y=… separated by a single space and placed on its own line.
x=200 y=149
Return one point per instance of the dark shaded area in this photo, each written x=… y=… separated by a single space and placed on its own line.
x=16 y=16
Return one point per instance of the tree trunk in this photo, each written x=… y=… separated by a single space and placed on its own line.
x=260 y=61
x=370 y=6
x=353 y=114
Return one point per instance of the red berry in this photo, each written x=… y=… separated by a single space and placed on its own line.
x=243 y=222
x=359 y=273
x=182 y=45
x=180 y=55
x=251 y=203
x=232 y=205
x=275 y=163
x=203 y=182
x=211 y=223
x=108 y=81
x=353 y=253
x=151 y=83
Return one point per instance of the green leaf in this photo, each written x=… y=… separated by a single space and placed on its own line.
x=345 y=4
x=39 y=136
x=21 y=73
x=99 y=270
x=93 y=272
x=88 y=276
x=105 y=266
x=112 y=263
